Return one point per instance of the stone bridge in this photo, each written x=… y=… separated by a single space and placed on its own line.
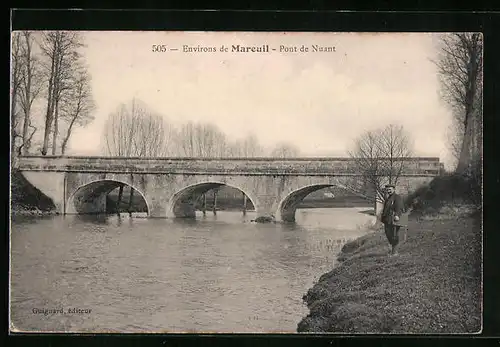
x=170 y=186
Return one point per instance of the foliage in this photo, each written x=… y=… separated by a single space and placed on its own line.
x=451 y=189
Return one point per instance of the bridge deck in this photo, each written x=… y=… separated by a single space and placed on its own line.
x=215 y=166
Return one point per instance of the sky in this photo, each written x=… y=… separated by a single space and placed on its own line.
x=318 y=101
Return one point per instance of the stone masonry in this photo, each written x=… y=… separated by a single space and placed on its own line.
x=170 y=186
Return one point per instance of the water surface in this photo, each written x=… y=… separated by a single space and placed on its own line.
x=214 y=274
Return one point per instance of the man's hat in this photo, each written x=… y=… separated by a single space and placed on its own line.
x=390 y=185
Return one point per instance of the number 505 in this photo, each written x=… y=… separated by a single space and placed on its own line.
x=159 y=48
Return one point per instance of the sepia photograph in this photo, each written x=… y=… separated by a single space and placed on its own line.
x=246 y=182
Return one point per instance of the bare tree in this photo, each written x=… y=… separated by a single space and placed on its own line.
x=201 y=140
x=133 y=130
x=153 y=128
x=185 y=141
x=455 y=136
x=210 y=140
x=285 y=150
x=61 y=50
x=31 y=85
x=460 y=68
x=77 y=107
x=247 y=148
x=207 y=140
x=233 y=149
x=53 y=59
x=16 y=80
x=381 y=156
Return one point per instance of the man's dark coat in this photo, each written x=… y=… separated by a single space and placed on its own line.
x=394 y=206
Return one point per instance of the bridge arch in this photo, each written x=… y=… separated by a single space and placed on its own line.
x=182 y=202
x=287 y=207
x=90 y=197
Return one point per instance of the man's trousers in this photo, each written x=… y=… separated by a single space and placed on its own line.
x=392 y=233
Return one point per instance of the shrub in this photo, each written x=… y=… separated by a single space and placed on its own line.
x=448 y=189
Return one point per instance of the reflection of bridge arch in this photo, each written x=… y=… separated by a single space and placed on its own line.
x=287 y=207
x=182 y=202
x=91 y=197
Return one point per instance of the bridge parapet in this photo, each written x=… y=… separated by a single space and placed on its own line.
x=170 y=186
x=215 y=166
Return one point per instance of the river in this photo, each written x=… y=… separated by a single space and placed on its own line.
x=214 y=274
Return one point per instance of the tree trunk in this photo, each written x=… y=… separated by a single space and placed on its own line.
x=464 y=160
x=30 y=137
x=48 y=126
x=56 y=128
x=13 y=94
x=214 y=207
x=244 y=204
x=120 y=194
x=68 y=135
x=13 y=151
x=26 y=124
x=65 y=142
x=469 y=126
x=204 y=204
x=130 y=201
x=27 y=92
x=48 y=114
x=26 y=144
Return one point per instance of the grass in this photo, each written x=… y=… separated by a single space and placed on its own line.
x=433 y=286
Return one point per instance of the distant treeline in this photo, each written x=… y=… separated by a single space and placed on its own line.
x=134 y=130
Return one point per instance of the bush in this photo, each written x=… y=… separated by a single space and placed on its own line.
x=448 y=189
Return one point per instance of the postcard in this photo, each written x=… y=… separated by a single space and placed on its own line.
x=246 y=182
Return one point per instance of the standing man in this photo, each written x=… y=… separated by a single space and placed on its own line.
x=391 y=217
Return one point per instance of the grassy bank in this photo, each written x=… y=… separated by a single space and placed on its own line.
x=433 y=286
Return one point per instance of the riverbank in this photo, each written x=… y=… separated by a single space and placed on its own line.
x=27 y=200
x=433 y=286
x=20 y=211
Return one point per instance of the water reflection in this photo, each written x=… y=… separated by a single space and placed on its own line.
x=92 y=219
x=214 y=274
x=29 y=219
